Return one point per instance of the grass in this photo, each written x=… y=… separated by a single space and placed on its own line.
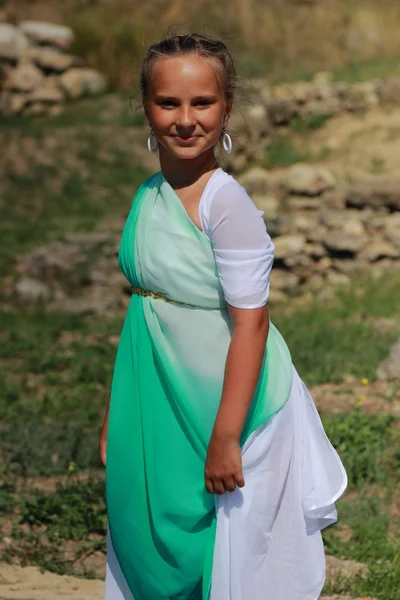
x=310 y=123
x=373 y=541
x=281 y=152
x=75 y=173
x=342 y=334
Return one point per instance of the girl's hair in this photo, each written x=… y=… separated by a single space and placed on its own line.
x=194 y=43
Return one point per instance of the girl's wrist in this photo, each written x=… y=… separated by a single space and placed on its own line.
x=224 y=434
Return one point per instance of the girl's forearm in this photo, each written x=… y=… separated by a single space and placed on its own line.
x=242 y=371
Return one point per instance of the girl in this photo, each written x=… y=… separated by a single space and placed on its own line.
x=219 y=474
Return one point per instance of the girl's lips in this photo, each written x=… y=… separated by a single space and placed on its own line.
x=186 y=140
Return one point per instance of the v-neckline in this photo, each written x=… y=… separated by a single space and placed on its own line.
x=200 y=201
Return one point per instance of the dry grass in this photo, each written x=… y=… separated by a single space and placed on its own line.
x=269 y=37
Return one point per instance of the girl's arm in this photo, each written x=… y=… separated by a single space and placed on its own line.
x=223 y=469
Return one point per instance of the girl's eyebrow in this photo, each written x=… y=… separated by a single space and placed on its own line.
x=209 y=97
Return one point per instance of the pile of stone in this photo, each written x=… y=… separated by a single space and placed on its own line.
x=274 y=107
x=324 y=231
x=37 y=74
x=326 y=98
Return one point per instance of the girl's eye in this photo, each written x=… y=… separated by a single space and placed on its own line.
x=168 y=103
x=203 y=103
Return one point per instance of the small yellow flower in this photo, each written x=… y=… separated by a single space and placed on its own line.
x=361 y=400
x=364 y=381
x=71 y=466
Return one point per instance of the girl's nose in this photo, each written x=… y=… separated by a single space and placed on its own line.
x=185 y=117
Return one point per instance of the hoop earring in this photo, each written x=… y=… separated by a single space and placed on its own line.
x=226 y=142
x=152 y=144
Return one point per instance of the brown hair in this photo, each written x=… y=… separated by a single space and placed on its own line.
x=193 y=43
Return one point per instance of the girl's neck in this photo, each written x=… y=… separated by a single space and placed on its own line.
x=181 y=173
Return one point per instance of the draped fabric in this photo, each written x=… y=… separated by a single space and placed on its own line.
x=165 y=394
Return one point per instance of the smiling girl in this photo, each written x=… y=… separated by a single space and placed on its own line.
x=219 y=474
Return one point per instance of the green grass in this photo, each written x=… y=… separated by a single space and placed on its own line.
x=364 y=443
x=373 y=542
x=328 y=342
x=87 y=179
x=309 y=123
x=281 y=152
x=44 y=523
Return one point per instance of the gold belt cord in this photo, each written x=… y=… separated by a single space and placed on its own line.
x=158 y=296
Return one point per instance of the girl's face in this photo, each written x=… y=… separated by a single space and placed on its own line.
x=186 y=107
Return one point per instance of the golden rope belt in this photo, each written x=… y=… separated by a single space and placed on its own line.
x=158 y=296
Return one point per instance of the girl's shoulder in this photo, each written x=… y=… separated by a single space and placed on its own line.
x=223 y=195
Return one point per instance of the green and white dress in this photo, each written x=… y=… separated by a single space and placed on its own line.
x=168 y=538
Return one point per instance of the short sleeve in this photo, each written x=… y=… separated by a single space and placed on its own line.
x=243 y=249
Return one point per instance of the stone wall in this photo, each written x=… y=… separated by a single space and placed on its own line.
x=326 y=231
x=37 y=74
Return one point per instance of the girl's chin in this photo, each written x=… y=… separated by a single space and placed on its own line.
x=186 y=153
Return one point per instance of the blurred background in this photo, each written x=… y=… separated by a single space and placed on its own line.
x=316 y=137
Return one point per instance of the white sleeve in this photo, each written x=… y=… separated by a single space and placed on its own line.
x=243 y=250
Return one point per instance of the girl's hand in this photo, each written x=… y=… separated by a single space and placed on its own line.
x=223 y=469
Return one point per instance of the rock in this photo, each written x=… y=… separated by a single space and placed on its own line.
x=298 y=203
x=268 y=204
x=303 y=223
x=87 y=241
x=52 y=61
x=337 y=241
x=35 y=109
x=44 y=33
x=345 y=221
x=389 y=91
x=316 y=234
x=276 y=296
x=47 y=95
x=317 y=251
x=56 y=260
x=389 y=368
x=287 y=246
x=256 y=181
x=95 y=82
x=375 y=192
x=280 y=112
x=377 y=249
x=306 y=180
x=337 y=569
x=284 y=281
x=392 y=233
x=25 y=78
x=79 y=82
x=386 y=325
x=301 y=91
x=334 y=278
x=13 y=43
x=72 y=83
x=31 y=290
x=17 y=102
x=315 y=283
